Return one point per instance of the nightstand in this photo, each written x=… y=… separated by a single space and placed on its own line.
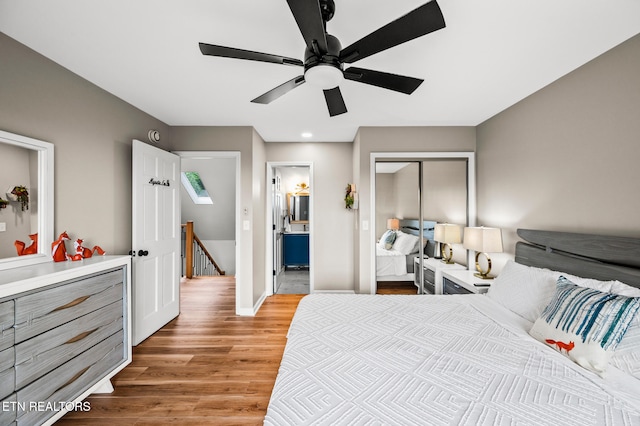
x=463 y=282
x=433 y=269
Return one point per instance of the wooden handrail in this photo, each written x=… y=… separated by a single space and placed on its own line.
x=191 y=237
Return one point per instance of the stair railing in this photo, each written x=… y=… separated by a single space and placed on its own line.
x=197 y=260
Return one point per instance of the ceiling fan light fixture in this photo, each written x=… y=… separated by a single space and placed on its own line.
x=324 y=76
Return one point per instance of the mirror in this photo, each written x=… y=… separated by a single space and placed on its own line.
x=299 y=208
x=27 y=163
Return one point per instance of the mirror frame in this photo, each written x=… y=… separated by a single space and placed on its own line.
x=469 y=156
x=45 y=200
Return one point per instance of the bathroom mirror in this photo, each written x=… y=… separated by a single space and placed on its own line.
x=299 y=208
x=25 y=162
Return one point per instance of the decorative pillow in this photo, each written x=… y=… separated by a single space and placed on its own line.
x=387 y=239
x=627 y=355
x=522 y=289
x=585 y=324
x=405 y=243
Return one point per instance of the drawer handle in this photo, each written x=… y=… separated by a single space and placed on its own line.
x=71 y=304
x=73 y=379
x=80 y=336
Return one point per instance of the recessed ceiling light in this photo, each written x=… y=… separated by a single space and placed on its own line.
x=307 y=134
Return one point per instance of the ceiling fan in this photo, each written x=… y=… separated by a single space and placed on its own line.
x=324 y=57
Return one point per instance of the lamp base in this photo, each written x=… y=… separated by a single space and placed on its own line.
x=446 y=258
x=484 y=274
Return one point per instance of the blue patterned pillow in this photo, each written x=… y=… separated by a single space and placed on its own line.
x=585 y=324
x=388 y=238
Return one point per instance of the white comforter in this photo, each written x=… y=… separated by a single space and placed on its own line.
x=390 y=262
x=434 y=360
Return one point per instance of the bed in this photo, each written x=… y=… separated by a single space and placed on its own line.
x=466 y=359
x=395 y=262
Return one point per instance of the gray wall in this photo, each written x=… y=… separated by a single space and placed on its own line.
x=332 y=223
x=92 y=132
x=566 y=158
x=250 y=274
x=392 y=139
x=215 y=221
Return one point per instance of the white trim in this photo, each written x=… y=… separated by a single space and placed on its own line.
x=245 y=312
x=471 y=195
x=240 y=281
x=45 y=200
x=269 y=221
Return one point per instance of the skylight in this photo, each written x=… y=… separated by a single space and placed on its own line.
x=195 y=188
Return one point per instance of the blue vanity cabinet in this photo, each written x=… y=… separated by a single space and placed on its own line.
x=296 y=250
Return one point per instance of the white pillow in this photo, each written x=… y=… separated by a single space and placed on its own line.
x=527 y=290
x=627 y=355
x=524 y=290
x=624 y=289
x=405 y=243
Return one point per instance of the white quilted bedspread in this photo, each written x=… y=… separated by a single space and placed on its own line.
x=434 y=360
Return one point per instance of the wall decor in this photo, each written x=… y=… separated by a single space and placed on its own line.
x=3 y=203
x=351 y=197
x=20 y=194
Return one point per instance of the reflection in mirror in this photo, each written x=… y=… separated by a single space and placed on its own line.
x=28 y=226
x=299 y=208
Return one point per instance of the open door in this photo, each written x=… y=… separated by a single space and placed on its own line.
x=155 y=239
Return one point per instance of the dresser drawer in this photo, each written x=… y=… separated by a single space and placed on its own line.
x=68 y=381
x=7 y=372
x=41 y=354
x=47 y=309
x=8 y=415
x=7 y=316
x=450 y=287
x=429 y=281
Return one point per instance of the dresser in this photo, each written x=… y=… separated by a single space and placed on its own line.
x=433 y=269
x=65 y=331
x=464 y=282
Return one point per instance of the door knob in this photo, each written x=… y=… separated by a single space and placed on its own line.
x=143 y=252
x=132 y=253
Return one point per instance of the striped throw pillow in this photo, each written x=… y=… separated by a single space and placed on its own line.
x=585 y=324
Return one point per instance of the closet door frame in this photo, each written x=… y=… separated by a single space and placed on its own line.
x=419 y=156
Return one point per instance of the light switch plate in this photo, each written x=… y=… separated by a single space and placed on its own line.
x=3 y=226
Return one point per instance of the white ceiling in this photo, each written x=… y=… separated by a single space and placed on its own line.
x=492 y=54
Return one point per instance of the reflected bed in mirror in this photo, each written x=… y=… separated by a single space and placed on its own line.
x=26 y=162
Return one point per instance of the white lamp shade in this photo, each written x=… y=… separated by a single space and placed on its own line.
x=447 y=233
x=481 y=239
x=393 y=224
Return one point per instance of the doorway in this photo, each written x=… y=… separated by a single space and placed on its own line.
x=216 y=223
x=290 y=224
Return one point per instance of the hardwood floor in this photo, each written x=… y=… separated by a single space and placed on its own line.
x=396 y=287
x=208 y=366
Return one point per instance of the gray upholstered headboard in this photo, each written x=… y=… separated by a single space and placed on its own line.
x=586 y=255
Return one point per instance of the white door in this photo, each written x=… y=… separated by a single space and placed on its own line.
x=156 y=239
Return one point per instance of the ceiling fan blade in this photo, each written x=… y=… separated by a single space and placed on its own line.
x=309 y=18
x=399 y=83
x=423 y=20
x=275 y=93
x=335 y=102
x=231 y=52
